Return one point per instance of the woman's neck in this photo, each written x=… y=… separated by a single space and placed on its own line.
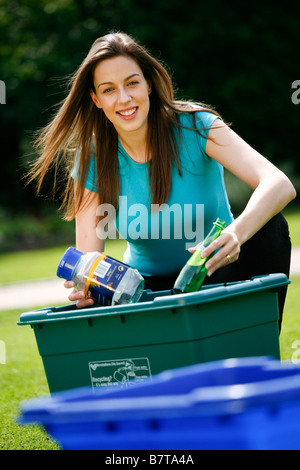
x=135 y=146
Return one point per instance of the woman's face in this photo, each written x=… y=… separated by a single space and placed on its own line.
x=122 y=92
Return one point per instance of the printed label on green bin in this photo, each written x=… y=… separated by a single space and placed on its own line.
x=116 y=372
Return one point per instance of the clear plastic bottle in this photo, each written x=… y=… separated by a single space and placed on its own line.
x=102 y=278
x=192 y=275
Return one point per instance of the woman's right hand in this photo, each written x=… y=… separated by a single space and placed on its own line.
x=78 y=296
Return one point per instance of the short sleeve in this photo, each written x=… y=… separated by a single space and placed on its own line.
x=204 y=121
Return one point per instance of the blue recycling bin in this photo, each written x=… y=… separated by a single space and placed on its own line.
x=234 y=404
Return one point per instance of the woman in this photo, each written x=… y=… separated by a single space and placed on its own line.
x=129 y=145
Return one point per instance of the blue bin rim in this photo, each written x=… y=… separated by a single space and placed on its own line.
x=201 y=401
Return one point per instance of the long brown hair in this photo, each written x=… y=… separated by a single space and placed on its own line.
x=78 y=123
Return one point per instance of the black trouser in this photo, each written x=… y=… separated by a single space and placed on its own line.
x=267 y=252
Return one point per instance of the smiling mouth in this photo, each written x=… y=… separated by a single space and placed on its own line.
x=128 y=112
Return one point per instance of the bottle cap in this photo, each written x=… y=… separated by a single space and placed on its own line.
x=220 y=223
x=68 y=263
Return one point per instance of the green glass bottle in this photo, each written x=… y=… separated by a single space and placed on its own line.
x=192 y=275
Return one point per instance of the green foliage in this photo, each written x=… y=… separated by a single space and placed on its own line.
x=241 y=60
x=28 y=232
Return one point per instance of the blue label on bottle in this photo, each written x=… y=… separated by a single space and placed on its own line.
x=105 y=280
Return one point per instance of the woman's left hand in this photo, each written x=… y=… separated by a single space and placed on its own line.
x=228 y=247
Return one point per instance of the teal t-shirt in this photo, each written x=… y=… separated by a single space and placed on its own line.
x=157 y=240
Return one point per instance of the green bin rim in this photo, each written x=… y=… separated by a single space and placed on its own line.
x=208 y=293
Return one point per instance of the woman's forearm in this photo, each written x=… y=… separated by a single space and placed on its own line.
x=269 y=198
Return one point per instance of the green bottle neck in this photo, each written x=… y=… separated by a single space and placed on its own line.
x=196 y=259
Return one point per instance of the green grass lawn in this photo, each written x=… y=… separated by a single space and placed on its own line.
x=36 y=264
x=293 y=218
x=21 y=378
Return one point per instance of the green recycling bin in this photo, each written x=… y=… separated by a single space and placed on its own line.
x=126 y=344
